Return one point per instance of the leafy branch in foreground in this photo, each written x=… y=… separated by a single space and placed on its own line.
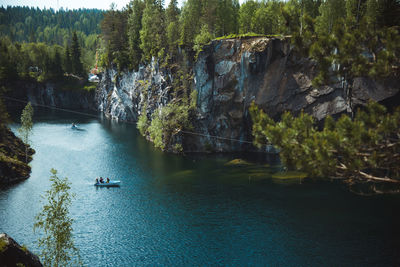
x=57 y=242
x=365 y=149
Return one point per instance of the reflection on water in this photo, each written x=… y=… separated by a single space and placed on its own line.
x=195 y=210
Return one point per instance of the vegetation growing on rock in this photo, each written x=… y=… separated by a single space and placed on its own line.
x=14 y=154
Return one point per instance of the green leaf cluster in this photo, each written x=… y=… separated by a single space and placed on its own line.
x=366 y=148
x=26 y=127
x=54 y=220
x=168 y=121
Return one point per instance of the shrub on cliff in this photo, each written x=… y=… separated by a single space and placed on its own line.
x=168 y=121
x=365 y=149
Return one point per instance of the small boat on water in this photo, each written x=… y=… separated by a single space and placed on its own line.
x=108 y=184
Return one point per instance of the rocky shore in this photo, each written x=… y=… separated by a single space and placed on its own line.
x=13 y=165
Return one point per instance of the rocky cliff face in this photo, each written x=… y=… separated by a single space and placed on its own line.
x=228 y=76
x=122 y=97
x=49 y=94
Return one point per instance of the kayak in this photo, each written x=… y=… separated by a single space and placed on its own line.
x=110 y=183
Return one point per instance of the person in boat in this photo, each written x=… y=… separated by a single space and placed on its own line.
x=97 y=180
x=101 y=180
x=108 y=180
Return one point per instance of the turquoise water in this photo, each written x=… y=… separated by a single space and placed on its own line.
x=193 y=211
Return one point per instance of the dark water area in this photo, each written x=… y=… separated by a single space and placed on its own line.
x=196 y=210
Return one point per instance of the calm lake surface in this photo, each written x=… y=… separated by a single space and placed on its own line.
x=193 y=211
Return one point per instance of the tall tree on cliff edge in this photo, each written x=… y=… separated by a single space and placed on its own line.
x=77 y=67
x=172 y=18
x=67 y=60
x=26 y=127
x=330 y=13
x=190 y=22
x=115 y=36
x=134 y=27
x=246 y=13
x=227 y=17
x=152 y=34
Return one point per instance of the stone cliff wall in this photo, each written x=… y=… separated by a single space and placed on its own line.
x=228 y=76
x=49 y=94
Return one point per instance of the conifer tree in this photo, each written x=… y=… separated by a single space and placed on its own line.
x=190 y=22
x=77 y=67
x=246 y=13
x=366 y=149
x=134 y=27
x=68 y=61
x=152 y=34
x=172 y=17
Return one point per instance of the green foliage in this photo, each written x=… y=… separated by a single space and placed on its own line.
x=143 y=124
x=364 y=149
x=331 y=11
x=168 y=121
x=25 y=24
x=26 y=123
x=244 y=35
x=193 y=99
x=26 y=127
x=246 y=13
x=134 y=26
x=4 y=117
x=115 y=39
x=3 y=245
x=77 y=67
x=57 y=244
x=152 y=34
x=22 y=25
x=201 y=39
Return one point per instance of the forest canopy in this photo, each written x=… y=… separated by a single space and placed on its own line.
x=44 y=44
x=361 y=35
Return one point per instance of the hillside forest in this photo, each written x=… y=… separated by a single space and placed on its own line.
x=361 y=36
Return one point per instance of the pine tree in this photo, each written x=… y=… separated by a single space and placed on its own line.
x=67 y=60
x=172 y=17
x=246 y=13
x=152 y=34
x=190 y=22
x=77 y=67
x=134 y=27
x=365 y=149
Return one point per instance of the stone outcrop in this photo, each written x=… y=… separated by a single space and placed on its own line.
x=229 y=75
x=12 y=254
x=122 y=97
x=13 y=167
x=51 y=94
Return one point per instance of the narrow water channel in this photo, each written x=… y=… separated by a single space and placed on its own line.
x=196 y=210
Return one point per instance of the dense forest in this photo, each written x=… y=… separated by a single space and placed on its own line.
x=45 y=44
x=361 y=36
